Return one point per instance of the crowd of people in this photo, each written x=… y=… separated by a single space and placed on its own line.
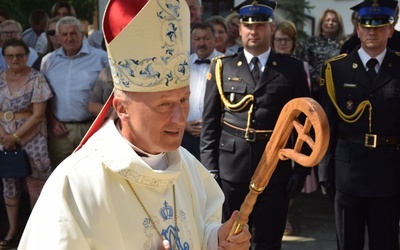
x=243 y=69
x=47 y=73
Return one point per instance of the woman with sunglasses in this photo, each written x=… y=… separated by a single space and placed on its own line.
x=43 y=46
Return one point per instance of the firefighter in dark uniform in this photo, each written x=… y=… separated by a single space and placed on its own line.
x=393 y=42
x=242 y=103
x=360 y=93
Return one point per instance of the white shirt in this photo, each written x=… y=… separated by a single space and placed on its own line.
x=41 y=44
x=198 y=79
x=365 y=58
x=262 y=59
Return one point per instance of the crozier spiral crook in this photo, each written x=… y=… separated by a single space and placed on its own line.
x=275 y=149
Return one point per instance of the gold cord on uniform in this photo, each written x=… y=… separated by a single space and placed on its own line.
x=233 y=107
x=360 y=108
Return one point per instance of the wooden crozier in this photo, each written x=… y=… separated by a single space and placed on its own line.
x=288 y=119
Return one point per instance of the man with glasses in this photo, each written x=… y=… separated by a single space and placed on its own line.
x=13 y=29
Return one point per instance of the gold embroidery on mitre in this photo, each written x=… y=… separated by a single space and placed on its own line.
x=163 y=67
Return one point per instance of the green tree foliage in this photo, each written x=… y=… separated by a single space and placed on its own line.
x=20 y=9
x=84 y=9
x=296 y=12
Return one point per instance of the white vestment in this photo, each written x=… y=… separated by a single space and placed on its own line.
x=87 y=202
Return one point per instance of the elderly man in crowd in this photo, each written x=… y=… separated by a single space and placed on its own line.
x=71 y=71
x=13 y=29
x=196 y=11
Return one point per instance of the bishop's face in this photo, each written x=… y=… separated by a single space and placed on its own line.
x=154 y=121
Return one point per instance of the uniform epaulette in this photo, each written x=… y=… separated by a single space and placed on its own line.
x=223 y=56
x=398 y=53
x=338 y=57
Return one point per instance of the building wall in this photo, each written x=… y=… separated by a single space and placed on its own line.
x=102 y=7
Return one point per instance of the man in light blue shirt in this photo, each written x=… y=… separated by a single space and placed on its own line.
x=71 y=72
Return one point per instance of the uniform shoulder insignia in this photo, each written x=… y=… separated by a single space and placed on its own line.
x=338 y=57
x=209 y=76
x=224 y=56
x=397 y=53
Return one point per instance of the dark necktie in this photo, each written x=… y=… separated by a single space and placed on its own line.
x=256 y=70
x=371 y=68
x=201 y=61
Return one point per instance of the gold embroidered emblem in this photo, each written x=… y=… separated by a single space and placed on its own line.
x=350 y=105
